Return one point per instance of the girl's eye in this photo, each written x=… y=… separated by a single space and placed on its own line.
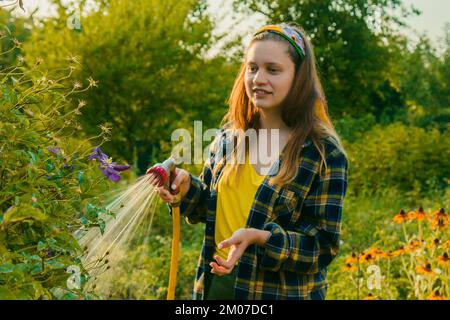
x=252 y=68
x=272 y=70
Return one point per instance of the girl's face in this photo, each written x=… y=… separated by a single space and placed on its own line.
x=269 y=73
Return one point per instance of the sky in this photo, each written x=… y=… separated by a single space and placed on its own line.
x=435 y=14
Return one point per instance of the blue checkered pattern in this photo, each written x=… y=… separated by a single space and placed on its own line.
x=303 y=216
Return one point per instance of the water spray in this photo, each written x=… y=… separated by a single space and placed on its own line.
x=162 y=174
x=127 y=220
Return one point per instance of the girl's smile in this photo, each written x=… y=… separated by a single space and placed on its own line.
x=261 y=93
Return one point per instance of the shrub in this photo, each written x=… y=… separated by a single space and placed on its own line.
x=46 y=185
x=407 y=158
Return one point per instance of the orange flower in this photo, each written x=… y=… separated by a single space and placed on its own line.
x=401 y=217
x=440 y=219
x=349 y=267
x=398 y=252
x=389 y=254
x=436 y=243
x=414 y=245
x=446 y=244
x=444 y=260
x=436 y=296
x=376 y=253
x=417 y=215
x=440 y=213
x=352 y=259
x=367 y=257
x=425 y=269
x=370 y=297
x=371 y=255
x=440 y=223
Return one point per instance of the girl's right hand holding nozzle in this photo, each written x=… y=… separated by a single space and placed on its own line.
x=182 y=181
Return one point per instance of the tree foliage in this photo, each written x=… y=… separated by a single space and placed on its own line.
x=355 y=47
x=149 y=60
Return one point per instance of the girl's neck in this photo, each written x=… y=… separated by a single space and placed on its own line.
x=272 y=120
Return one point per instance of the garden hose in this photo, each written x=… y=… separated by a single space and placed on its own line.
x=165 y=174
x=175 y=251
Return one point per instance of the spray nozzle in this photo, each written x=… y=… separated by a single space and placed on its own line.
x=163 y=172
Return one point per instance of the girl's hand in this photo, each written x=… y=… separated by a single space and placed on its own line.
x=238 y=242
x=182 y=180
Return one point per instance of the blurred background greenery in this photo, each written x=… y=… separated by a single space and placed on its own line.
x=155 y=66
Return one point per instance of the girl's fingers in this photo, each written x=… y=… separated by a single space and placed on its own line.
x=165 y=195
x=179 y=178
x=235 y=253
x=235 y=239
x=162 y=191
x=219 y=269
x=223 y=262
x=224 y=244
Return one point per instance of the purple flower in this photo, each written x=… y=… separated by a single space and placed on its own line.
x=110 y=169
x=98 y=155
x=66 y=166
x=54 y=150
x=50 y=253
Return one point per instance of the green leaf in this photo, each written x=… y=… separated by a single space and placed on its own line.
x=41 y=246
x=34 y=158
x=70 y=296
x=22 y=267
x=25 y=293
x=57 y=292
x=81 y=177
x=6 y=268
x=67 y=242
x=24 y=212
x=102 y=225
x=84 y=221
x=50 y=166
x=37 y=268
x=91 y=211
x=9 y=94
x=6 y=294
x=54 y=264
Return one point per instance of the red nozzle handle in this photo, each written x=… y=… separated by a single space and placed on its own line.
x=164 y=177
x=160 y=173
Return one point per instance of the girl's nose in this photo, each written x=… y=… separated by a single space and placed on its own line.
x=259 y=77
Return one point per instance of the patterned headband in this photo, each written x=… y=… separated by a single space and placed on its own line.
x=291 y=35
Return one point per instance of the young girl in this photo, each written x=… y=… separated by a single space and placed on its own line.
x=270 y=235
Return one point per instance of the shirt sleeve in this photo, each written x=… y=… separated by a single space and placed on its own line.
x=315 y=246
x=194 y=204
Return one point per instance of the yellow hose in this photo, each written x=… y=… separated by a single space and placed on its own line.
x=175 y=251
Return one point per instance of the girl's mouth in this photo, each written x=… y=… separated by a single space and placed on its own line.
x=260 y=93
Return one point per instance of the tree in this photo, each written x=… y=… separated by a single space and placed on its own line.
x=12 y=27
x=149 y=60
x=353 y=42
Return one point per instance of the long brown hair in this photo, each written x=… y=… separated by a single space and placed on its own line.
x=304 y=110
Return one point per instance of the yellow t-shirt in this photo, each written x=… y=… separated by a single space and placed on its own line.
x=234 y=202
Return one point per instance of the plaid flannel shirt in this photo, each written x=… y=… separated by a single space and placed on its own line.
x=303 y=216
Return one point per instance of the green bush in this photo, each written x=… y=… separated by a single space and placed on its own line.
x=410 y=159
x=47 y=187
